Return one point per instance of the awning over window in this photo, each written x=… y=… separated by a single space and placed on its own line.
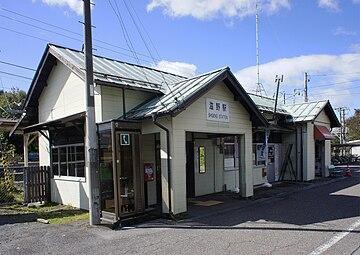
x=322 y=133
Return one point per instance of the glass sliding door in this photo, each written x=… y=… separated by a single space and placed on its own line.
x=130 y=179
x=107 y=187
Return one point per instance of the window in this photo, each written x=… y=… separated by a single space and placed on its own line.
x=231 y=154
x=202 y=160
x=68 y=160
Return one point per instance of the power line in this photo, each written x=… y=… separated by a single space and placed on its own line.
x=19 y=66
x=337 y=94
x=40 y=21
x=16 y=75
x=77 y=34
x=145 y=43
x=330 y=84
x=334 y=74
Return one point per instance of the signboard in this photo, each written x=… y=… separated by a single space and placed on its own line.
x=124 y=139
x=148 y=172
x=217 y=110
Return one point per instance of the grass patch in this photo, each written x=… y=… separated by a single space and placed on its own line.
x=54 y=213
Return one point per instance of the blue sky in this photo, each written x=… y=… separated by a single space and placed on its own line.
x=320 y=37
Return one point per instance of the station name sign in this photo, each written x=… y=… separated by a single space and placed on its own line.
x=217 y=110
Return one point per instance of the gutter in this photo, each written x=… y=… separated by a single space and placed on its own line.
x=154 y=117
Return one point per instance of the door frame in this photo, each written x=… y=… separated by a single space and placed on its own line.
x=129 y=127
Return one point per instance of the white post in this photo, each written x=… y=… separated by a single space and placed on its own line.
x=26 y=150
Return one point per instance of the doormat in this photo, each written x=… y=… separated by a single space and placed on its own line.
x=206 y=203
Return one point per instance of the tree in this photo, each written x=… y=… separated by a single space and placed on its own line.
x=353 y=123
x=11 y=103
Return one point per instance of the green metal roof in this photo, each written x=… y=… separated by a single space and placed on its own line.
x=114 y=72
x=179 y=93
x=268 y=104
x=303 y=112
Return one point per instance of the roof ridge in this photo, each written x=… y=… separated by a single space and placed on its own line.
x=311 y=102
x=116 y=60
x=203 y=74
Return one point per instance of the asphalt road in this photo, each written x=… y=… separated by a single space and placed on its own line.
x=322 y=220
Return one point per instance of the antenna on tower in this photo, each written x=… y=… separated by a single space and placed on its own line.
x=259 y=87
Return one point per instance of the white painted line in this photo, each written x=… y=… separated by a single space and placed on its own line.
x=321 y=249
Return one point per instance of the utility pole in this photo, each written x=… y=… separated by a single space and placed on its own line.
x=306 y=99
x=92 y=172
x=277 y=80
x=343 y=125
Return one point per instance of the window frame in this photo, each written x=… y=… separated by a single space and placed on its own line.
x=233 y=142
x=72 y=159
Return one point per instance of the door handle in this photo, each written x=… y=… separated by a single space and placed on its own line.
x=123 y=178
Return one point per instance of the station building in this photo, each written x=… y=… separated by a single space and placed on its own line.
x=164 y=138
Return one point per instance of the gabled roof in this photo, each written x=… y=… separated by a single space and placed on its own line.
x=301 y=112
x=267 y=104
x=184 y=93
x=106 y=72
x=309 y=111
x=111 y=71
x=172 y=93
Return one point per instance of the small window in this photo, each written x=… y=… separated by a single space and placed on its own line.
x=231 y=153
x=68 y=160
x=202 y=160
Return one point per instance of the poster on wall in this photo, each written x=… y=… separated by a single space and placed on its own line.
x=217 y=110
x=148 y=172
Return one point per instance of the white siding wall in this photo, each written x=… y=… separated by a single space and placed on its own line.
x=257 y=175
x=148 y=127
x=64 y=95
x=148 y=155
x=193 y=119
x=309 y=153
x=74 y=193
x=112 y=101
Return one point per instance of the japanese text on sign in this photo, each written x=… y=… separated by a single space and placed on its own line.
x=217 y=110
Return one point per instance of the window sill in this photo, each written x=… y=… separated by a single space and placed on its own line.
x=69 y=178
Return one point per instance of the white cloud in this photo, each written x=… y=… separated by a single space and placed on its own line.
x=355 y=47
x=208 y=9
x=329 y=4
x=341 y=76
x=74 y=5
x=342 y=31
x=179 y=68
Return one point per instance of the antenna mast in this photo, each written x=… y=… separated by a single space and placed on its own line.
x=259 y=87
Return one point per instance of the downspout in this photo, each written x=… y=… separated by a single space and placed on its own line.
x=168 y=159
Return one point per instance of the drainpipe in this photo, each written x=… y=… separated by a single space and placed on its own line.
x=168 y=159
